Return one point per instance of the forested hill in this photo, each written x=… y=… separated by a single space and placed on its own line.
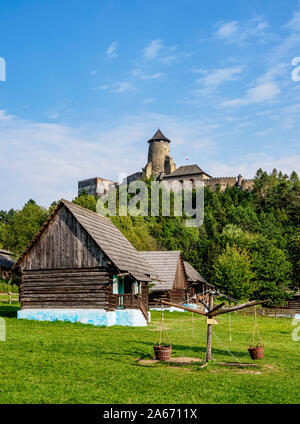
x=249 y=244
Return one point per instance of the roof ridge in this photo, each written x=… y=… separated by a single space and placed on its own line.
x=159 y=136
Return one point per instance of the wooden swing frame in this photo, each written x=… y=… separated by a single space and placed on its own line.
x=213 y=312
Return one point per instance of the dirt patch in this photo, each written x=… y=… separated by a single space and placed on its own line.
x=181 y=360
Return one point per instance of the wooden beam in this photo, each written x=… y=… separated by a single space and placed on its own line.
x=236 y=308
x=203 y=303
x=216 y=308
x=208 y=355
x=180 y=307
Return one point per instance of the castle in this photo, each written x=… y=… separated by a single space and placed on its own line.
x=161 y=166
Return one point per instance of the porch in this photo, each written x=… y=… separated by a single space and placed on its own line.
x=128 y=301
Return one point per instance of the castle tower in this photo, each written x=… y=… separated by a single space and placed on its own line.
x=160 y=162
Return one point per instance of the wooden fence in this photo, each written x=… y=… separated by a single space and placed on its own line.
x=269 y=312
x=9 y=297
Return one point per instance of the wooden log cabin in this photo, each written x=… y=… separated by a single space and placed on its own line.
x=80 y=268
x=171 y=279
x=6 y=263
x=295 y=304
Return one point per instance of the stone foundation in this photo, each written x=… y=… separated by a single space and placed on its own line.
x=122 y=317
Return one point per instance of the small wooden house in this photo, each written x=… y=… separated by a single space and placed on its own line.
x=295 y=303
x=80 y=268
x=6 y=263
x=197 y=285
x=171 y=280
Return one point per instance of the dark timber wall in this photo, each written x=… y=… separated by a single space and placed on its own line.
x=64 y=244
x=65 y=288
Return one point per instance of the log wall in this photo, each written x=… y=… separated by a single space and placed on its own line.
x=65 y=288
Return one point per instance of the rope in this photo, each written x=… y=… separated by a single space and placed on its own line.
x=193 y=332
x=162 y=329
x=255 y=331
x=230 y=332
x=226 y=348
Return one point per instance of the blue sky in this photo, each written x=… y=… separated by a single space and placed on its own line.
x=88 y=83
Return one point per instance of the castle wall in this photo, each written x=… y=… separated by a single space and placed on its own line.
x=247 y=185
x=221 y=182
x=95 y=186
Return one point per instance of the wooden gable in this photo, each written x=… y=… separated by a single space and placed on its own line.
x=64 y=244
x=180 y=281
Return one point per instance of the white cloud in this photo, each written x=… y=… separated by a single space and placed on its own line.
x=258 y=94
x=153 y=49
x=139 y=73
x=294 y=23
x=103 y=87
x=273 y=72
x=228 y=30
x=242 y=32
x=120 y=87
x=247 y=165
x=111 y=50
x=219 y=76
x=44 y=161
x=4 y=116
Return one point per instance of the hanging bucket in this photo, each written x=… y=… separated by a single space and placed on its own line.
x=257 y=352
x=162 y=352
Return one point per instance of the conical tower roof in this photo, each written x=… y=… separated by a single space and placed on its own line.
x=158 y=136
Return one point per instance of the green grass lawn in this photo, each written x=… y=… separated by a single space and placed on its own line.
x=43 y=362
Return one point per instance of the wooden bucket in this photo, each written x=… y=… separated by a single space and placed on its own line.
x=162 y=352
x=257 y=352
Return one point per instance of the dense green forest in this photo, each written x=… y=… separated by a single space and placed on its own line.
x=248 y=246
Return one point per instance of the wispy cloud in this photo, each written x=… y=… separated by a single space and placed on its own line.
x=120 y=87
x=258 y=94
x=242 y=32
x=4 y=116
x=48 y=156
x=141 y=74
x=219 y=76
x=111 y=50
x=153 y=49
x=228 y=31
x=247 y=165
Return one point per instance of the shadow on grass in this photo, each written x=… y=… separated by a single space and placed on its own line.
x=182 y=349
x=8 y=311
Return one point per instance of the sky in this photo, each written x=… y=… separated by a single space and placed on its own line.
x=89 y=82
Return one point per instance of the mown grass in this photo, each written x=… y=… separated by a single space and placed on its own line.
x=42 y=362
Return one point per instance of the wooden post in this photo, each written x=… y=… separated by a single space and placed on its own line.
x=209 y=328
x=9 y=298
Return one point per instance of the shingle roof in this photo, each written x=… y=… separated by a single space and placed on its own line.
x=192 y=274
x=158 y=136
x=5 y=259
x=164 y=264
x=6 y=252
x=186 y=170
x=108 y=237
